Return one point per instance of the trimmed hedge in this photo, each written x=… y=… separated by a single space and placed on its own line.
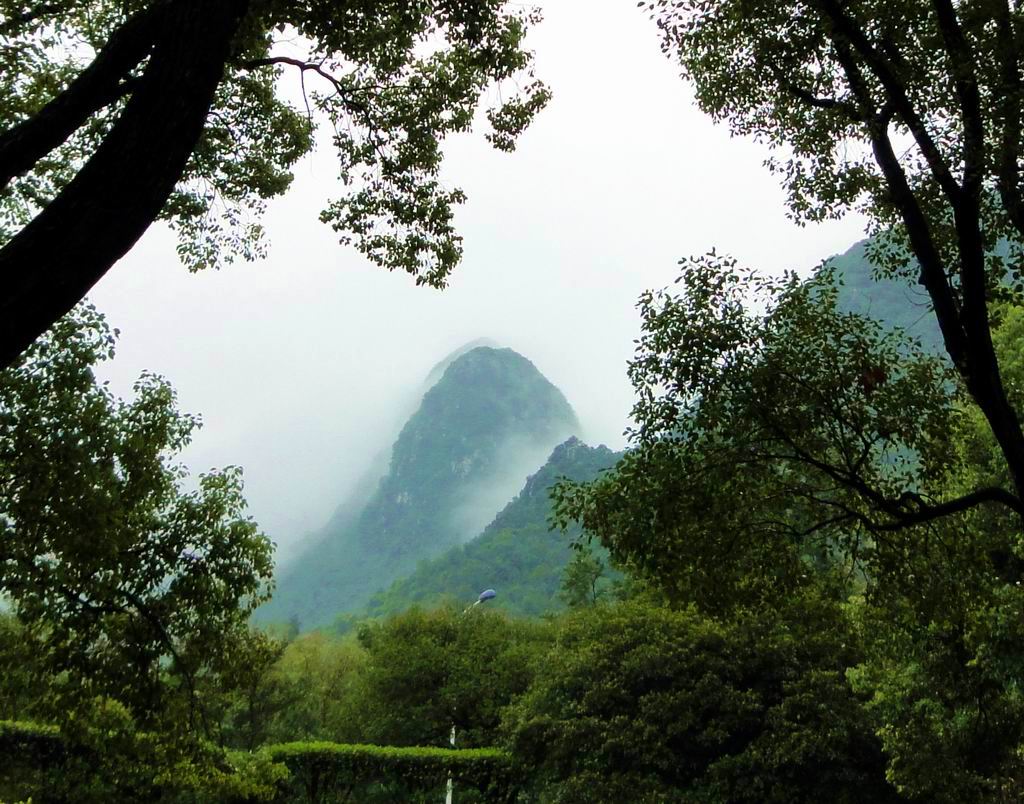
x=22 y=736
x=318 y=771
x=335 y=769
x=30 y=743
x=28 y=753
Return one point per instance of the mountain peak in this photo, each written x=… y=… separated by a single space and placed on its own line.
x=487 y=421
x=439 y=368
x=517 y=552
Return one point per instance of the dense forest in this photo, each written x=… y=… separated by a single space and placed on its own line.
x=800 y=582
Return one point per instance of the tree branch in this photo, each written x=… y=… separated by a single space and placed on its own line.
x=12 y=24
x=193 y=699
x=96 y=87
x=970 y=244
x=53 y=261
x=1008 y=181
x=351 y=103
x=909 y=509
x=965 y=331
x=308 y=66
x=924 y=513
x=808 y=98
x=849 y=31
x=968 y=96
x=933 y=275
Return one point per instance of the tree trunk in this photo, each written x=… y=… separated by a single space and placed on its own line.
x=51 y=264
x=96 y=87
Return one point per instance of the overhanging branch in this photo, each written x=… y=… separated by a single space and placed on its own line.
x=880 y=67
x=51 y=264
x=96 y=87
x=343 y=92
x=27 y=17
x=1010 y=141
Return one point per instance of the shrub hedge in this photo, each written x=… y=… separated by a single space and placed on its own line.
x=29 y=752
x=326 y=771
x=98 y=766
x=316 y=771
x=29 y=741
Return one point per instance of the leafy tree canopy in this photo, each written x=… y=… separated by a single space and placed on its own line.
x=784 y=446
x=772 y=432
x=130 y=586
x=643 y=703
x=910 y=111
x=427 y=671
x=116 y=114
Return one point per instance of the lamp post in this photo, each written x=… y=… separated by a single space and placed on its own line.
x=487 y=594
x=484 y=596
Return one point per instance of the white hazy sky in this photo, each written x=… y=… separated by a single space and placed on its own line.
x=303 y=366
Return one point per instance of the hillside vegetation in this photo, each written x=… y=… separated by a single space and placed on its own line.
x=489 y=420
x=519 y=553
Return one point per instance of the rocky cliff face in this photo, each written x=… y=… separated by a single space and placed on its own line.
x=489 y=420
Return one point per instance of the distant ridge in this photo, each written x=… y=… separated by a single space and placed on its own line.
x=518 y=554
x=488 y=420
x=895 y=302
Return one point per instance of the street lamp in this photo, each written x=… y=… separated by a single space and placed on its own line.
x=487 y=594
x=483 y=597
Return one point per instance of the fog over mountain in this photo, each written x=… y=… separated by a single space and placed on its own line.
x=487 y=422
x=301 y=365
x=518 y=553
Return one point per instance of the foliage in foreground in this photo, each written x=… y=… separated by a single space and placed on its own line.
x=130 y=594
x=648 y=704
x=736 y=673
x=788 y=441
x=110 y=761
x=90 y=157
x=49 y=765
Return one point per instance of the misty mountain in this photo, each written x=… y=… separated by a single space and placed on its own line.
x=517 y=554
x=489 y=419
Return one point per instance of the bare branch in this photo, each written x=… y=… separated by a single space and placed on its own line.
x=923 y=513
x=306 y=66
x=808 y=98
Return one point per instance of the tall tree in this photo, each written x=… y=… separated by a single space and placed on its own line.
x=910 y=111
x=637 y=702
x=772 y=440
x=117 y=114
x=799 y=446
x=131 y=586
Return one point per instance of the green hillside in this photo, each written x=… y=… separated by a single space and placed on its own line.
x=489 y=420
x=517 y=554
x=893 y=301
